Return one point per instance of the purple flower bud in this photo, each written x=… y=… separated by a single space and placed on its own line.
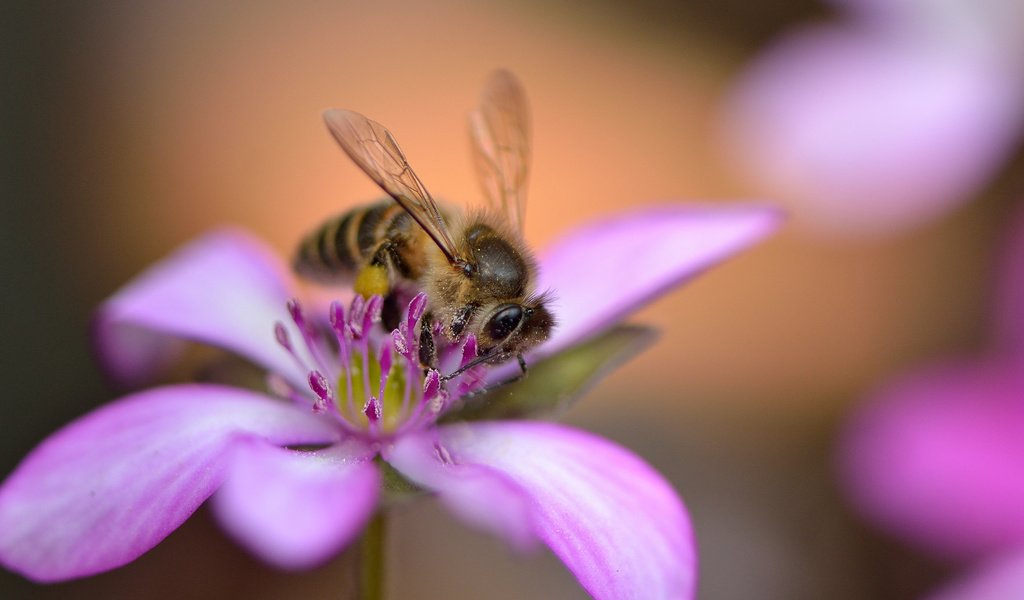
x=442 y=454
x=372 y=315
x=281 y=334
x=337 y=315
x=469 y=350
x=355 y=318
x=416 y=307
x=318 y=383
x=400 y=343
x=385 y=361
x=295 y=310
x=431 y=385
x=372 y=409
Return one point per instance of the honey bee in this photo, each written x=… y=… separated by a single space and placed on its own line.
x=477 y=272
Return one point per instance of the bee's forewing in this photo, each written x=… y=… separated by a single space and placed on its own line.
x=375 y=150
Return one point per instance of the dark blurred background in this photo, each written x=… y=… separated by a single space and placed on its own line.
x=130 y=127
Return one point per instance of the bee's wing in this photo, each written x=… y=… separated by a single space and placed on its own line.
x=375 y=150
x=500 y=130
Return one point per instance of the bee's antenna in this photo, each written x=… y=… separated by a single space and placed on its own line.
x=476 y=361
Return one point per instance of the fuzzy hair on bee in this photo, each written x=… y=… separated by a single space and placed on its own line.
x=504 y=268
x=475 y=267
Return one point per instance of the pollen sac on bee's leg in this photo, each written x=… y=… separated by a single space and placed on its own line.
x=372 y=281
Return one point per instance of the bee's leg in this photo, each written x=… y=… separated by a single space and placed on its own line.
x=374 y=279
x=458 y=324
x=428 y=351
x=522 y=365
x=391 y=312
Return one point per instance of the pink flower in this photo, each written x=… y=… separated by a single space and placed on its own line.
x=1001 y=578
x=296 y=473
x=937 y=456
x=893 y=116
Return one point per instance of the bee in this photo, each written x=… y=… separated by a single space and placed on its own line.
x=478 y=273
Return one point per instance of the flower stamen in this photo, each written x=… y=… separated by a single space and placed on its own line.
x=318 y=383
x=373 y=383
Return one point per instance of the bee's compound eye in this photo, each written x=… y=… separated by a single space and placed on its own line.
x=504 y=322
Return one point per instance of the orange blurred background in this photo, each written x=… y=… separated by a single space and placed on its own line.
x=135 y=126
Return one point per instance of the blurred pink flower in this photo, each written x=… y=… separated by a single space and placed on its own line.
x=295 y=475
x=937 y=457
x=1001 y=578
x=889 y=118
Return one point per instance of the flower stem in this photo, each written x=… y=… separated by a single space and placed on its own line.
x=371 y=558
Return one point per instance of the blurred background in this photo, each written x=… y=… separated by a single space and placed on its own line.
x=130 y=127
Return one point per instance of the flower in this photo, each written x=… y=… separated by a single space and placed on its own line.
x=890 y=117
x=998 y=579
x=937 y=457
x=296 y=473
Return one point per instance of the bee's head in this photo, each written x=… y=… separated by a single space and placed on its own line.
x=513 y=328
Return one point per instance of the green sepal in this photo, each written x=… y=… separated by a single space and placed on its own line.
x=394 y=486
x=554 y=384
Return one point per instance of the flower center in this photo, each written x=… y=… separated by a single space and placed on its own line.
x=356 y=387
x=368 y=379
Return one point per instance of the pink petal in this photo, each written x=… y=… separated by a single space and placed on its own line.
x=109 y=486
x=224 y=289
x=481 y=496
x=614 y=521
x=870 y=130
x=605 y=271
x=296 y=509
x=938 y=458
x=998 y=579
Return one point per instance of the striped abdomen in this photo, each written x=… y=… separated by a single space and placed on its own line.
x=380 y=233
